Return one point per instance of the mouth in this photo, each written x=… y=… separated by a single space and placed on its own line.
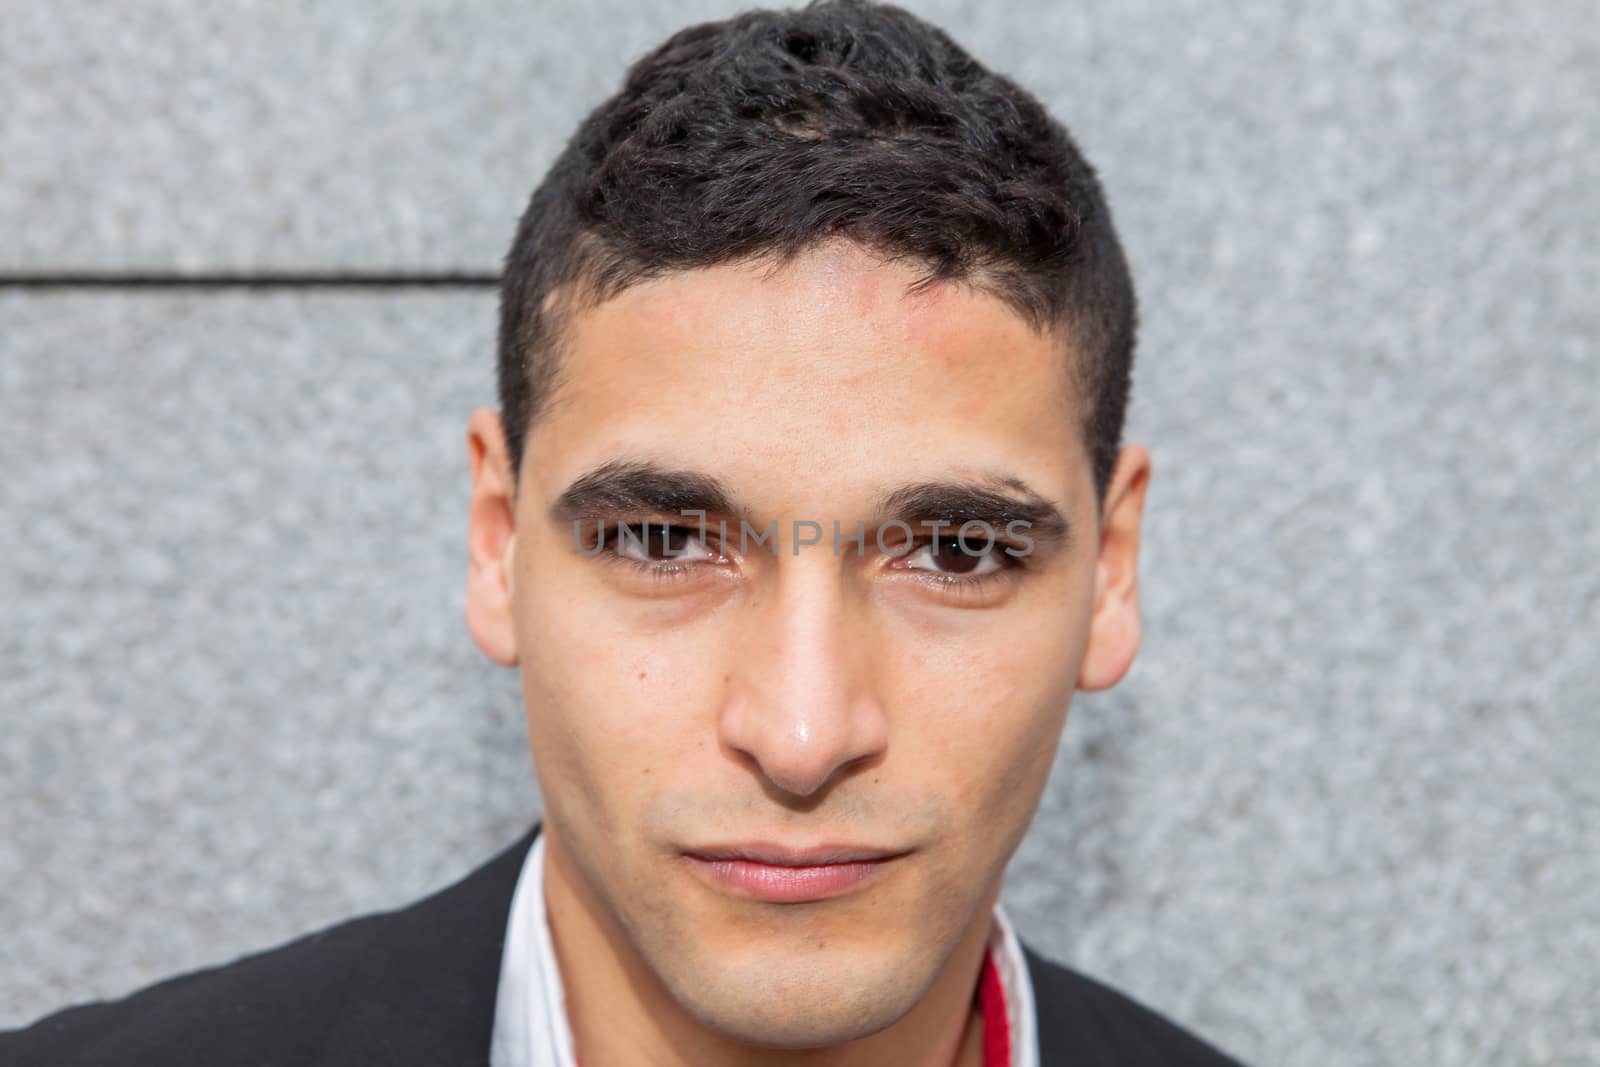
x=778 y=874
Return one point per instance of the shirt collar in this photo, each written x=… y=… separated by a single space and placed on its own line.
x=530 y=1016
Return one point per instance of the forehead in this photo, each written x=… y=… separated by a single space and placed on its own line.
x=825 y=372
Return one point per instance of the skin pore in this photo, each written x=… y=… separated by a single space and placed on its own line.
x=688 y=694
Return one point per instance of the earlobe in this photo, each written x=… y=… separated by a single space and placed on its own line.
x=491 y=541
x=1112 y=646
x=1115 y=628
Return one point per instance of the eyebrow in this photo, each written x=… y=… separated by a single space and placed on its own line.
x=632 y=487
x=952 y=503
x=637 y=487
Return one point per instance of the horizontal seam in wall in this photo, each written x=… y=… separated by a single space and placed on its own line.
x=254 y=280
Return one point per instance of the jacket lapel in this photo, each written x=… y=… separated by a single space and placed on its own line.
x=424 y=993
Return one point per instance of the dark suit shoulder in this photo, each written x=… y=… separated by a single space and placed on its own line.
x=270 y=1007
x=412 y=985
x=1086 y=1023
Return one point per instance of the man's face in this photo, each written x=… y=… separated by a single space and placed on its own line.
x=696 y=708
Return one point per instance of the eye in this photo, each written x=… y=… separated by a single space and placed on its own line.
x=652 y=542
x=948 y=556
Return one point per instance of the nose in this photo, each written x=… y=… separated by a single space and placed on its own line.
x=800 y=704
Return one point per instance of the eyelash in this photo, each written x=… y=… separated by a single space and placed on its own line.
x=960 y=585
x=665 y=571
x=660 y=571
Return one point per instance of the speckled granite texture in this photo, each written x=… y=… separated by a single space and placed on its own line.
x=1346 y=808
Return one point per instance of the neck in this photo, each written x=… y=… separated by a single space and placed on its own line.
x=620 y=1014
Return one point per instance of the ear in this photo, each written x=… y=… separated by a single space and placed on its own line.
x=1114 y=628
x=491 y=540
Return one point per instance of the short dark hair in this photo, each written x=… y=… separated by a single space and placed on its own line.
x=765 y=133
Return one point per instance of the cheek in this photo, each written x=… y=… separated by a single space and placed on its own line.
x=613 y=713
x=983 y=718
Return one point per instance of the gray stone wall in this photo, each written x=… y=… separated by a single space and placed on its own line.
x=1344 y=810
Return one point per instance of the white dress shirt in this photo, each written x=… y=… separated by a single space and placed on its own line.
x=530 y=1015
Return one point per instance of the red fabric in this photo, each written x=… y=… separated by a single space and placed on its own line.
x=996 y=1024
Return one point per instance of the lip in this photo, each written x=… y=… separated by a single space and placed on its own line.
x=780 y=874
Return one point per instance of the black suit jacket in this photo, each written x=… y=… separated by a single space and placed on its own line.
x=416 y=988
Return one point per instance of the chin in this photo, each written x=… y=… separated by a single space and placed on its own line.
x=788 y=1004
x=797 y=976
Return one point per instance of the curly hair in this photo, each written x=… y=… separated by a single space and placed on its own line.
x=765 y=133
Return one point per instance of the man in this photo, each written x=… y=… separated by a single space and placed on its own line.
x=804 y=514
